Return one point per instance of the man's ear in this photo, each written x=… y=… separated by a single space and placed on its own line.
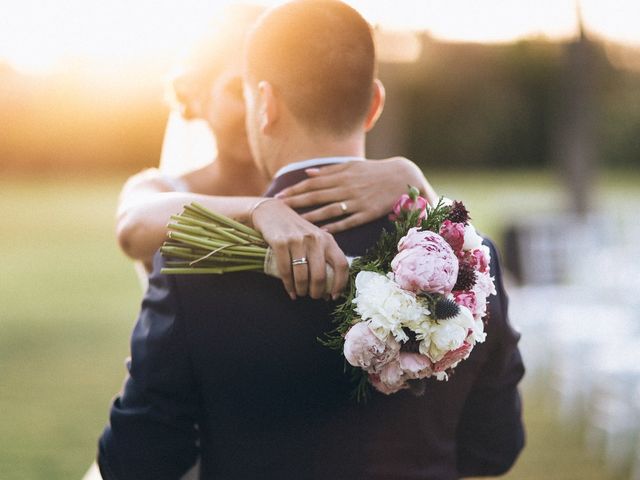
x=268 y=106
x=377 y=105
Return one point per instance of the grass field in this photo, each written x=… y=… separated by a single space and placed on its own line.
x=68 y=299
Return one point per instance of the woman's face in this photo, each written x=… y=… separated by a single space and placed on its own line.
x=224 y=110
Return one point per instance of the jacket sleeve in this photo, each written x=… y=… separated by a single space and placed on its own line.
x=490 y=434
x=152 y=431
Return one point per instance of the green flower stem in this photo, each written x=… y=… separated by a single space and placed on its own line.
x=196 y=231
x=240 y=237
x=224 y=220
x=186 y=213
x=196 y=256
x=215 y=263
x=257 y=267
x=212 y=245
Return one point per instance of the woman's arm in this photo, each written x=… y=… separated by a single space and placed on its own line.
x=367 y=189
x=147 y=203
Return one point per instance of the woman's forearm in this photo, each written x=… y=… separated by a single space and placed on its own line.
x=141 y=224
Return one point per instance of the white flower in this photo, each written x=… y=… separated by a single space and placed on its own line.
x=478 y=335
x=385 y=306
x=422 y=325
x=442 y=376
x=471 y=238
x=483 y=287
x=447 y=335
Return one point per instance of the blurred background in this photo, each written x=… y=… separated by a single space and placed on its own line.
x=528 y=110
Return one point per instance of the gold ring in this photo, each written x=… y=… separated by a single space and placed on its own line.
x=299 y=261
x=343 y=207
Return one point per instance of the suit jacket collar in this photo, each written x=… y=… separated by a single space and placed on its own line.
x=295 y=172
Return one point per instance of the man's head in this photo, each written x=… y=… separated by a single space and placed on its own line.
x=311 y=63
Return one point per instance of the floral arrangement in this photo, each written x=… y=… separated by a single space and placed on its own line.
x=415 y=302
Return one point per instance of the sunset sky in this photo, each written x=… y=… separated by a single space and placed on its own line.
x=43 y=36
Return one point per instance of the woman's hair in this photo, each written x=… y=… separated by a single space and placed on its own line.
x=218 y=47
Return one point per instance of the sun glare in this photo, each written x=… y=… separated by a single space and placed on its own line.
x=40 y=36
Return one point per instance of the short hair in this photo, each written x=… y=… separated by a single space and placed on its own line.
x=319 y=56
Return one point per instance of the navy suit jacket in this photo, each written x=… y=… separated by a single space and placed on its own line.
x=229 y=368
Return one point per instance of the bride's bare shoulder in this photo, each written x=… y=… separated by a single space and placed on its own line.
x=154 y=180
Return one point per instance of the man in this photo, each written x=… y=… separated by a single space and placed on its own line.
x=236 y=356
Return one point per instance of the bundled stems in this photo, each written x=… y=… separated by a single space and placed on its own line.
x=202 y=241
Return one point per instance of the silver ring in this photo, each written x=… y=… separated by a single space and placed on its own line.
x=299 y=261
x=343 y=207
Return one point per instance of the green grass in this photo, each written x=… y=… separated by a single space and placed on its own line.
x=68 y=300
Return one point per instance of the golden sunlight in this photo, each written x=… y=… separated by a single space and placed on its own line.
x=38 y=36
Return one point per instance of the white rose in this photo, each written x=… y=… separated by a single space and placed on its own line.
x=471 y=238
x=385 y=306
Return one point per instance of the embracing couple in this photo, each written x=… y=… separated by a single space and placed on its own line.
x=228 y=368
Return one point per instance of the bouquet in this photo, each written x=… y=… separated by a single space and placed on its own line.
x=415 y=302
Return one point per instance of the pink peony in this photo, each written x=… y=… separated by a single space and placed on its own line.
x=406 y=204
x=363 y=349
x=390 y=379
x=466 y=299
x=415 y=365
x=479 y=259
x=453 y=233
x=452 y=358
x=425 y=263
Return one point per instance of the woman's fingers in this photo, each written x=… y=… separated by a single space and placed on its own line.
x=299 y=265
x=301 y=249
x=338 y=263
x=328 y=170
x=333 y=210
x=316 y=245
x=308 y=185
x=349 y=222
x=280 y=249
x=317 y=197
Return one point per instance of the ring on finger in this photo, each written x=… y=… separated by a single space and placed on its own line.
x=343 y=207
x=299 y=261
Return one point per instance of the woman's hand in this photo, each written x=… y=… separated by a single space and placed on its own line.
x=355 y=193
x=293 y=238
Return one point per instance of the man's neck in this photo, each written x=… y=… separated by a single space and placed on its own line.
x=290 y=152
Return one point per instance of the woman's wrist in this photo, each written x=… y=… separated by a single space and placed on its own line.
x=255 y=207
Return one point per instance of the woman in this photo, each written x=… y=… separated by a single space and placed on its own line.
x=210 y=88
